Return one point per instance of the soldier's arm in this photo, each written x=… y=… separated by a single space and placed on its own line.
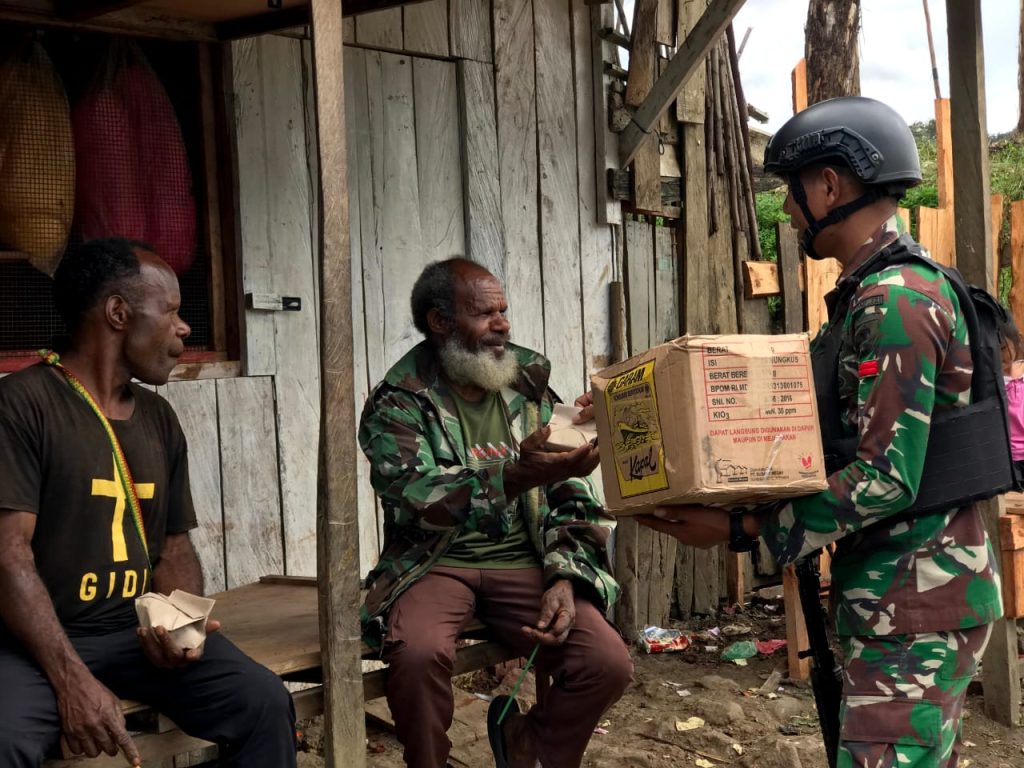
x=405 y=472
x=900 y=339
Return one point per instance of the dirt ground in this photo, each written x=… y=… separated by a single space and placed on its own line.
x=740 y=721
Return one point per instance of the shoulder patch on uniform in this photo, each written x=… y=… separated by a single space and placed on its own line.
x=867 y=368
x=868 y=301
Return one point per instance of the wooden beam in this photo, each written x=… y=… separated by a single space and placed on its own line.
x=760 y=279
x=691 y=53
x=943 y=154
x=264 y=23
x=296 y=16
x=973 y=235
x=80 y=10
x=337 y=494
x=137 y=20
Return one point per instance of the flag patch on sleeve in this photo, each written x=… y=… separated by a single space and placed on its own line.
x=868 y=368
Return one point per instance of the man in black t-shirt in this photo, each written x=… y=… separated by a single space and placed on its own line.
x=95 y=510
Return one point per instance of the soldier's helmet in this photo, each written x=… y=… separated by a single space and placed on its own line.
x=865 y=135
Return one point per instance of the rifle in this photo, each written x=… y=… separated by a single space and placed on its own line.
x=826 y=674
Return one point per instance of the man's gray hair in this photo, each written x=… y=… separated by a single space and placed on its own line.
x=435 y=289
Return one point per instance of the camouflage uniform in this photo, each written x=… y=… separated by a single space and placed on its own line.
x=912 y=599
x=410 y=432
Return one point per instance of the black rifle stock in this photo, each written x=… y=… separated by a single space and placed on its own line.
x=826 y=674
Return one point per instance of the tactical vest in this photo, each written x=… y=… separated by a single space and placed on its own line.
x=968 y=456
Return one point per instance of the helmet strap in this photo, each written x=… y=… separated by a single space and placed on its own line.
x=814 y=226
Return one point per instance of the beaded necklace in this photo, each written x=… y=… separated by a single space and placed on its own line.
x=124 y=473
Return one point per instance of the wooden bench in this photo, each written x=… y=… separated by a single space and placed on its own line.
x=275 y=622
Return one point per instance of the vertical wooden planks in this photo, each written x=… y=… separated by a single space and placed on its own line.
x=559 y=196
x=297 y=376
x=666 y=287
x=425 y=27
x=437 y=159
x=249 y=479
x=258 y=354
x=1017 y=260
x=516 y=114
x=359 y=177
x=997 y=231
x=195 y=402
x=274 y=204
x=470 y=26
x=642 y=73
x=789 y=278
x=401 y=242
x=596 y=257
x=368 y=126
x=485 y=234
x=606 y=149
x=639 y=284
x=380 y=29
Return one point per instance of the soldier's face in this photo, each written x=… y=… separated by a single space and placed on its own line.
x=480 y=307
x=815 y=189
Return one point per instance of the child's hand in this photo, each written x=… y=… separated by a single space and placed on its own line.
x=1016 y=369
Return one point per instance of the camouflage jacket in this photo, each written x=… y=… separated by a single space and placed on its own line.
x=411 y=434
x=904 y=354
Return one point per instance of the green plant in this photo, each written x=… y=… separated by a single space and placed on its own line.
x=769 y=212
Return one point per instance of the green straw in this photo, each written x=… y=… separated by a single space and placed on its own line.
x=515 y=688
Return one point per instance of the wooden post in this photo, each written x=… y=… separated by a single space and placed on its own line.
x=973 y=231
x=1017 y=260
x=943 y=154
x=337 y=499
x=821 y=275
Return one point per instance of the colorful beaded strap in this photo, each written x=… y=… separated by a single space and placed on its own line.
x=124 y=474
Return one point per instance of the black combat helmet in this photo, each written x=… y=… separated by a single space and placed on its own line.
x=864 y=135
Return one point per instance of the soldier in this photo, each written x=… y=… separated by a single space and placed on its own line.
x=480 y=519
x=914 y=594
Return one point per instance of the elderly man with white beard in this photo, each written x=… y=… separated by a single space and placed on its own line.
x=481 y=519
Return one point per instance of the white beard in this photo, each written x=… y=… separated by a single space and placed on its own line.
x=480 y=368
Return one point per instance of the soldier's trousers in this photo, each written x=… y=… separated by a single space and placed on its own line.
x=590 y=670
x=903 y=697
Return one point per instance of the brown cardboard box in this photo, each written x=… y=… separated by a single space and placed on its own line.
x=709 y=420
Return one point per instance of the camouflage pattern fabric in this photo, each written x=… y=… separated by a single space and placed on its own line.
x=411 y=434
x=904 y=354
x=903 y=697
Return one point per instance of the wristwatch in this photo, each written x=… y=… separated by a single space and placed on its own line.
x=739 y=541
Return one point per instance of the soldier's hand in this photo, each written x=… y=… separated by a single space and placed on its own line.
x=585 y=403
x=92 y=720
x=557 y=615
x=698 y=526
x=538 y=466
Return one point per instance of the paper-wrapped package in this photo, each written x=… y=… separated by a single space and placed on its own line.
x=565 y=435
x=182 y=614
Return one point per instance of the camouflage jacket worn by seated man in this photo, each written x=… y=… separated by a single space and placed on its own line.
x=410 y=432
x=904 y=354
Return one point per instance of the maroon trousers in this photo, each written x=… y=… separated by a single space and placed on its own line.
x=590 y=670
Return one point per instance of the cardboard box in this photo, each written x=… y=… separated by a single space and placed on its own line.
x=709 y=420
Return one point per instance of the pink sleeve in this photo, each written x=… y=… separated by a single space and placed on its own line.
x=1015 y=408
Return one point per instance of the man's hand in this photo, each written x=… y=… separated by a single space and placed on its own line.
x=92 y=720
x=586 y=403
x=698 y=526
x=557 y=615
x=538 y=466
x=163 y=652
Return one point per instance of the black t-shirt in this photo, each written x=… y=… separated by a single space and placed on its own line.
x=57 y=463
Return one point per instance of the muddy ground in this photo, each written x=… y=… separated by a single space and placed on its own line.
x=739 y=721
